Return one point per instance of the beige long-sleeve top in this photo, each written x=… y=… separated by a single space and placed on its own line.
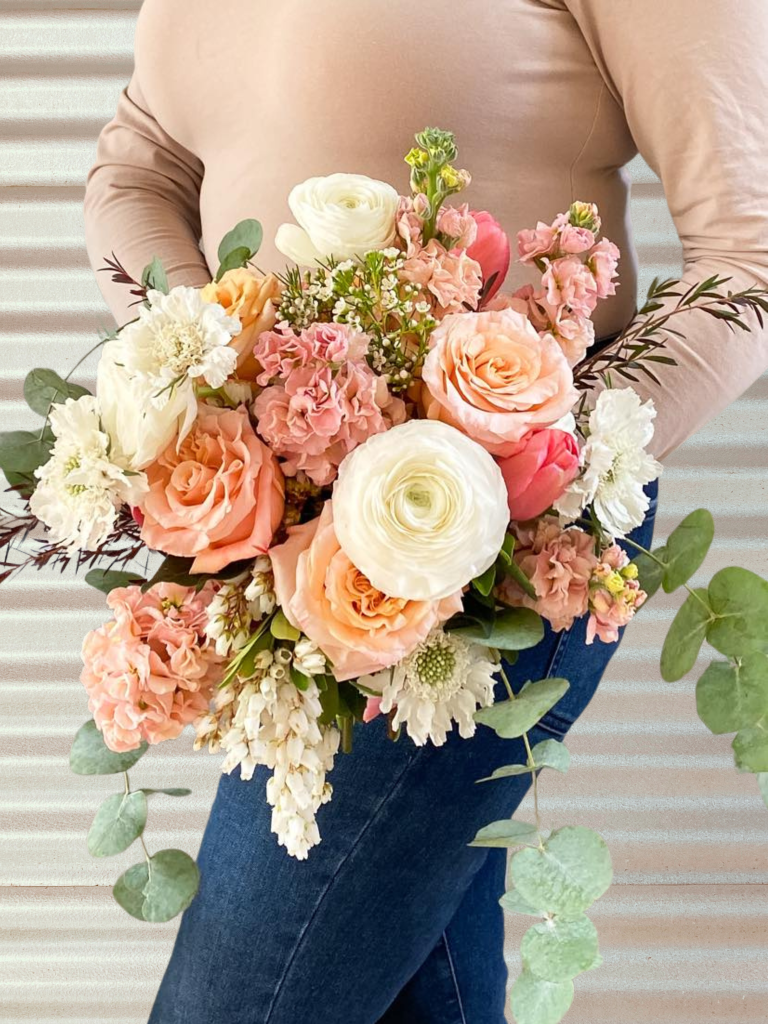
x=233 y=103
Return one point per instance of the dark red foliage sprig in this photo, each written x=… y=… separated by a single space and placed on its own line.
x=120 y=275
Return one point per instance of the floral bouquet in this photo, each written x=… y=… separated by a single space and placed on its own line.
x=372 y=478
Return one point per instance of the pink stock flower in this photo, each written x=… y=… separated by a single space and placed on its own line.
x=282 y=351
x=360 y=629
x=574 y=334
x=452 y=278
x=574 y=240
x=602 y=261
x=491 y=249
x=490 y=375
x=409 y=221
x=150 y=670
x=536 y=243
x=559 y=563
x=321 y=413
x=614 y=597
x=458 y=224
x=539 y=471
x=568 y=282
x=218 y=497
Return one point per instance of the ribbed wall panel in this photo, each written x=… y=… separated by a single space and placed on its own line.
x=684 y=928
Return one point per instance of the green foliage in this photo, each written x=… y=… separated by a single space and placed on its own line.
x=650 y=572
x=119 y=820
x=91 y=756
x=567 y=875
x=750 y=747
x=730 y=697
x=509 y=566
x=558 y=950
x=739 y=600
x=686 y=548
x=154 y=276
x=171 y=791
x=281 y=628
x=239 y=246
x=107 y=580
x=44 y=388
x=685 y=637
x=513 y=902
x=159 y=888
x=507 y=833
x=762 y=782
x=511 y=629
x=175 y=569
x=547 y=754
x=511 y=718
x=535 y=1001
x=23 y=451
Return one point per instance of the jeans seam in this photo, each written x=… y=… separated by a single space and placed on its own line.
x=384 y=800
x=454 y=978
x=555 y=660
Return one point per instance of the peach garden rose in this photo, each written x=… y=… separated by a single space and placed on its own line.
x=360 y=629
x=253 y=299
x=219 y=497
x=490 y=375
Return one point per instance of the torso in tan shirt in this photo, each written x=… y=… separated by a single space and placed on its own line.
x=548 y=100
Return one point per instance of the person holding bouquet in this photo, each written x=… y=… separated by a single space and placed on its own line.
x=394 y=917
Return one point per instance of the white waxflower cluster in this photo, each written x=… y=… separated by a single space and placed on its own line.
x=276 y=725
x=444 y=680
x=81 y=487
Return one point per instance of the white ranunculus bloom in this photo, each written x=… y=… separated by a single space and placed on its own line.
x=343 y=215
x=616 y=465
x=81 y=487
x=443 y=681
x=420 y=509
x=145 y=379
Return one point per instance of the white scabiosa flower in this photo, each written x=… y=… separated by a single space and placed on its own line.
x=342 y=216
x=276 y=725
x=420 y=509
x=145 y=379
x=445 y=680
x=616 y=465
x=81 y=487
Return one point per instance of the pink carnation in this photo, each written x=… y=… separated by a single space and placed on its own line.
x=559 y=563
x=453 y=278
x=321 y=413
x=150 y=671
x=282 y=351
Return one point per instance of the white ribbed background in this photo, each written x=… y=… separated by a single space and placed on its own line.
x=683 y=929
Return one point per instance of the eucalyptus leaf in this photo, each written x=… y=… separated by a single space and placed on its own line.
x=484 y=583
x=551 y=754
x=514 y=903
x=649 y=572
x=762 y=782
x=687 y=547
x=513 y=629
x=739 y=599
x=750 y=747
x=44 y=388
x=171 y=886
x=154 y=276
x=505 y=833
x=160 y=889
x=247 y=234
x=570 y=873
x=118 y=822
x=24 y=451
x=730 y=697
x=233 y=261
x=175 y=569
x=107 y=580
x=91 y=756
x=172 y=791
x=685 y=637
x=535 y=1001
x=281 y=628
x=558 y=950
x=507 y=771
x=511 y=718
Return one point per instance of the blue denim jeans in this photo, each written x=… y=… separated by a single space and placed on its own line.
x=394 y=918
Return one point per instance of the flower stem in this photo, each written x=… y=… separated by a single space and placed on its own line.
x=531 y=764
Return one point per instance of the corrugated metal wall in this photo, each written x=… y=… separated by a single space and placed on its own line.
x=683 y=929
